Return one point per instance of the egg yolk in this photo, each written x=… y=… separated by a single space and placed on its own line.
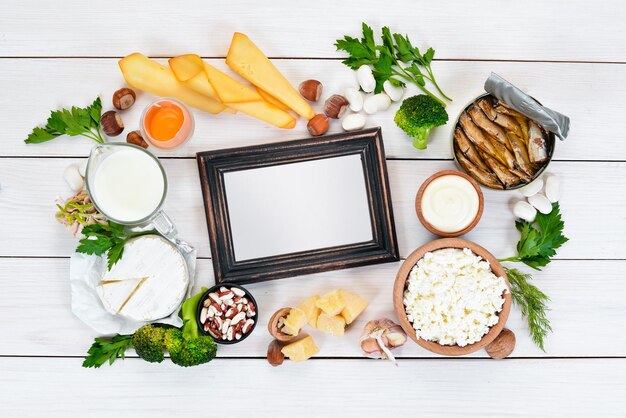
x=165 y=123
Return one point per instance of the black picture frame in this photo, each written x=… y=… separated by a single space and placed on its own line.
x=382 y=248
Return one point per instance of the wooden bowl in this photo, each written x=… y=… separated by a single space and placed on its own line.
x=398 y=296
x=420 y=193
x=272 y=325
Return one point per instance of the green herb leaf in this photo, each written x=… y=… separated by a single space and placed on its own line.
x=73 y=122
x=110 y=239
x=107 y=349
x=540 y=239
x=533 y=304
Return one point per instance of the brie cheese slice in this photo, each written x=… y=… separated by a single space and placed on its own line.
x=148 y=283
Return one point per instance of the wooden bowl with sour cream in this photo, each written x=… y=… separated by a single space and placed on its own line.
x=447 y=199
x=400 y=285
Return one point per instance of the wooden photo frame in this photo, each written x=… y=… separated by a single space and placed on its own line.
x=382 y=247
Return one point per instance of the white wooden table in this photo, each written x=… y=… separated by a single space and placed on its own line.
x=570 y=55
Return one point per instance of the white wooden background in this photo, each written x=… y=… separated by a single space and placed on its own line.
x=570 y=55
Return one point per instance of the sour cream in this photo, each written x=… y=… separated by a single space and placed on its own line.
x=450 y=203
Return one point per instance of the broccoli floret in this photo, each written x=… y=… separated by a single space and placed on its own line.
x=191 y=351
x=148 y=343
x=418 y=115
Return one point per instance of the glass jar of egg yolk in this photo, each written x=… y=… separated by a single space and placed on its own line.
x=167 y=123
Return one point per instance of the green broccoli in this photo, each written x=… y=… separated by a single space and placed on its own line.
x=148 y=343
x=418 y=115
x=189 y=352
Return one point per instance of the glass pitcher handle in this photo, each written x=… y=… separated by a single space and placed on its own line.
x=165 y=226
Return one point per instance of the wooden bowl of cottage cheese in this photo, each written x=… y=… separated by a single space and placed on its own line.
x=452 y=297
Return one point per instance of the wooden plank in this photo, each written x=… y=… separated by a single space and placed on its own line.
x=590 y=198
x=52 y=330
x=595 y=107
x=468 y=388
x=532 y=30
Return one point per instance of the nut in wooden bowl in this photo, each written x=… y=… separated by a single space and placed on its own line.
x=400 y=286
x=274 y=325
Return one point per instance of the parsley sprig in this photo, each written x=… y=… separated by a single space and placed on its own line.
x=539 y=239
x=538 y=243
x=396 y=60
x=83 y=121
x=109 y=239
x=107 y=349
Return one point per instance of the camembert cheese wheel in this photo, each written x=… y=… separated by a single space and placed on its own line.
x=148 y=283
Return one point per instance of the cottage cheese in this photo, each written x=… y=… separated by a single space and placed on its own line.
x=453 y=297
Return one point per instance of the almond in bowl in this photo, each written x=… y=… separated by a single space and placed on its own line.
x=452 y=297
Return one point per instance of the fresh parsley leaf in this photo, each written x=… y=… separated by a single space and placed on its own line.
x=540 y=239
x=533 y=304
x=107 y=349
x=73 y=122
x=109 y=239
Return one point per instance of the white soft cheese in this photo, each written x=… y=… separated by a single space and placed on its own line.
x=155 y=271
x=453 y=297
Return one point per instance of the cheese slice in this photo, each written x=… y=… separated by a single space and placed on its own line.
x=148 y=75
x=245 y=58
x=193 y=72
x=148 y=283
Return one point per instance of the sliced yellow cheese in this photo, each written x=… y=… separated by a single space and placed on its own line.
x=294 y=322
x=272 y=100
x=202 y=77
x=355 y=305
x=331 y=324
x=301 y=350
x=251 y=63
x=148 y=75
x=310 y=309
x=331 y=303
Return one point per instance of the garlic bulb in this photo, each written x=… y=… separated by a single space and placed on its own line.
x=381 y=336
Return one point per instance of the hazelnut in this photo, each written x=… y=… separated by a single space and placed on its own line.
x=318 y=125
x=123 y=98
x=135 y=138
x=275 y=356
x=311 y=90
x=111 y=123
x=502 y=346
x=335 y=106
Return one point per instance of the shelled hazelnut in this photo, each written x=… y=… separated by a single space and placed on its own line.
x=135 y=138
x=335 y=106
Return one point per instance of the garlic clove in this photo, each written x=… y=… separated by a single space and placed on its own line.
x=355 y=98
x=525 y=211
x=73 y=178
x=541 y=203
x=532 y=188
x=395 y=93
x=553 y=189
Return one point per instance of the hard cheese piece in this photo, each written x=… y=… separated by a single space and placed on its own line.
x=310 y=309
x=331 y=303
x=294 y=322
x=301 y=350
x=202 y=77
x=271 y=99
x=249 y=62
x=148 y=283
x=145 y=74
x=334 y=325
x=354 y=306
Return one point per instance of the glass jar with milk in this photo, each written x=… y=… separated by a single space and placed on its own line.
x=128 y=185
